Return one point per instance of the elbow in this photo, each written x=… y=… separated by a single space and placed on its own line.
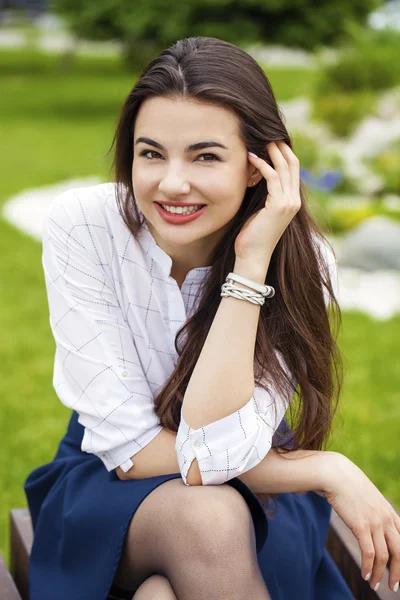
x=193 y=476
x=193 y=481
x=120 y=474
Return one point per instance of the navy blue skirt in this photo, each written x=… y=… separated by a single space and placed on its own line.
x=81 y=514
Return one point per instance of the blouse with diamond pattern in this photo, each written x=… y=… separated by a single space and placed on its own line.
x=114 y=312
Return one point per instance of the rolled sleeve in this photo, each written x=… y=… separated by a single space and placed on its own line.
x=234 y=444
x=97 y=370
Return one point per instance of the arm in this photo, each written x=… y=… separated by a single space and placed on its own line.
x=228 y=352
x=237 y=442
x=156 y=458
x=296 y=471
x=223 y=379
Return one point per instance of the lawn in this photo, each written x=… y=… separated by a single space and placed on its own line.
x=57 y=124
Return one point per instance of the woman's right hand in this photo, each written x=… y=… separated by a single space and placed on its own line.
x=371 y=518
x=262 y=231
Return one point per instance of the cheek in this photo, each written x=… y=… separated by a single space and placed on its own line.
x=219 y=186
x=141 y=179
x=228 y=191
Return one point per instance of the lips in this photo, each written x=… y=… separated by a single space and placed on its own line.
x=179 y=218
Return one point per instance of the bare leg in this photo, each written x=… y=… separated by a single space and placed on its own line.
x=156 y=587
x=201 y=538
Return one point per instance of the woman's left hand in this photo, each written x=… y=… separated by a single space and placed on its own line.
x=261 y=232
x=371 y=518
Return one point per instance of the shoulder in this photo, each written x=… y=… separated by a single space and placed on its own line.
x=85 y=206
x=85 y=220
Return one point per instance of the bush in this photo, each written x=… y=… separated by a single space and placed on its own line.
x=318 y=160
x=340 y=219
x=368 y=61
x=345 y=91
x=342 y=113
x=147 y=26
x=312 y=156
x=306 y=149
x=343 y=219
x=387 y=165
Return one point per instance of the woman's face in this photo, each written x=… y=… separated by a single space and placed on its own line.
x=165 y=170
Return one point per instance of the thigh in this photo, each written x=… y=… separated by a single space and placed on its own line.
x=174 y=512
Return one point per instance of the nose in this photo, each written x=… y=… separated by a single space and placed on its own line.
x=173 y=184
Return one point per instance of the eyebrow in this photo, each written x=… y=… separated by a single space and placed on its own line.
x=191 y=148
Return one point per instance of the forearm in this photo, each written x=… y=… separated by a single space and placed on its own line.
x=223 y=379
x=296 y=471
x=156 y=458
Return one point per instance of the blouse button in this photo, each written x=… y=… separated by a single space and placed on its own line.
x=124 y=374
x=198 y=444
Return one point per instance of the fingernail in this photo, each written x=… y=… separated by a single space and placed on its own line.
x=376 y=587
x=368 y=577
x=252 y=154
x=396 y=587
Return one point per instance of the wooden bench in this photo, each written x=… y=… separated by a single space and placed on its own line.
x=341 y=544
x=8 y=590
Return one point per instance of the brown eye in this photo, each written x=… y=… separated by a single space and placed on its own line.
x=145 y=152
x=214 y=157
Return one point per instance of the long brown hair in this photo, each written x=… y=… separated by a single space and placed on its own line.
x=295 y=322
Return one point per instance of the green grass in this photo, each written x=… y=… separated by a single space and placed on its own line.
x=370 y=402
x=57 y=124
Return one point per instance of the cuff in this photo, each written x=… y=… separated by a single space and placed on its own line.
x=225 y=448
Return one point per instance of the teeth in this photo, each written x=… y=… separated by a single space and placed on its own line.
x=181 y=210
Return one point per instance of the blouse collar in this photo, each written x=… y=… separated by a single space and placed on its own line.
x=153 y=250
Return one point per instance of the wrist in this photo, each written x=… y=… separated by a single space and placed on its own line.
x=330 y=470
x=251 y=269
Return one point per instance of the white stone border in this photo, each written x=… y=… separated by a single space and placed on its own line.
x=28 y=209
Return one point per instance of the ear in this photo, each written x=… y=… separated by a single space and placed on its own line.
x=254 y=176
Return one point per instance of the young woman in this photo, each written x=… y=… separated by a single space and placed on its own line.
x=188 y=302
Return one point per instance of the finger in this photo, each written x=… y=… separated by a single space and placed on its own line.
x=393 y=542
x=294 y=166
x=281 y=167
x=381 y=556
x=273 y=180
x=367 y=552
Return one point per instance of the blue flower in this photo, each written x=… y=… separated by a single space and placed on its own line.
x=326 y=182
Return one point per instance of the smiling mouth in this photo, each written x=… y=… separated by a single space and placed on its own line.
x=181 y=205
x=187 y=208
x=180 y=217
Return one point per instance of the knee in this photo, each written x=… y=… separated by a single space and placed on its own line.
x=216 y=518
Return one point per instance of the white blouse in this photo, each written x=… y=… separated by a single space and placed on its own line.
x=114 y=313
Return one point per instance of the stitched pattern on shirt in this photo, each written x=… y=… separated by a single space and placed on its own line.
x=114 y=306
x=231 y=469
x=88 y=229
